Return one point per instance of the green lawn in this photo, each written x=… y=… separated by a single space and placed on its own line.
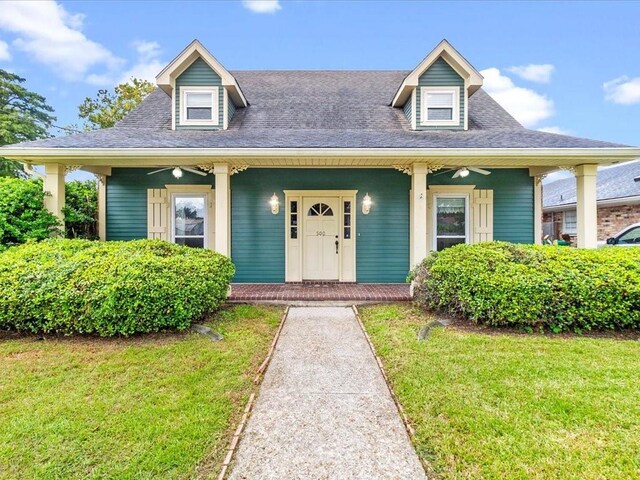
x=513 y=406
x=156 y=406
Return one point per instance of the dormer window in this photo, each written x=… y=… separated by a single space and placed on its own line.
x=199 y=106
x=440 y=106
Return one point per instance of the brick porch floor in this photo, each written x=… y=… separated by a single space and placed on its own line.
x=358 y=292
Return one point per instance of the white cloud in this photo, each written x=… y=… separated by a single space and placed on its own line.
x=148 y=64
x=53 y=36
x=527 y=106
x=533 y=72
x=4 y=51
x=623 y=90
x=262 y=6
x=147 y=50
x=555 y=129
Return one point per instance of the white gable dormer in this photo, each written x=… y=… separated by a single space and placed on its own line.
x=435 y=95
x=204 y=94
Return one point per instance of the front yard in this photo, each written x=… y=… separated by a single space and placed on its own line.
x=155 y=406
x=513 y=406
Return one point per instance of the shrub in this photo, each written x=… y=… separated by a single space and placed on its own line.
x=559 y=288
x=22 y=213
x=110 y=288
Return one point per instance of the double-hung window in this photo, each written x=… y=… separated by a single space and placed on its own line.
x=440 y=106
x=199 y=106
x=569 y=222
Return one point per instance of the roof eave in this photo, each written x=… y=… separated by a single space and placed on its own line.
x=604 y=202
x=382 y=156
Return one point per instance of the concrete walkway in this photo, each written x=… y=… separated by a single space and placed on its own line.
x=324 y=410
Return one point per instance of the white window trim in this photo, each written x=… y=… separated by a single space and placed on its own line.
x=467 y=217
x=172 y=219
x=573 y=230
x=455 y=117
x=215 y=107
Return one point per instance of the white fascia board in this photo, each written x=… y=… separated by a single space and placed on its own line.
x=584 y=155
x=444 y=49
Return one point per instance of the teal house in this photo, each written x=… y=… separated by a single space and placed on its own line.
x=338 y=176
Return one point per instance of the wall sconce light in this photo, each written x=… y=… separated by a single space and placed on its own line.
x=366 y=204
x=177 y=172
x=275 y=204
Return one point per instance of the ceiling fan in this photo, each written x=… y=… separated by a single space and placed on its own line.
x=177 y=171
x=465 y=171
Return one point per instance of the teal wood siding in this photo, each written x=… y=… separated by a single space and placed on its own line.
x=382 y=241
x=231 y=109
x=407 y=110
x=440 y=74
x=127 y=198
x=199 y=74
x=512 y=200
x=258 y=236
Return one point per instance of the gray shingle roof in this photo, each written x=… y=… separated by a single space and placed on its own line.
x=318 y=109
x=612 y=183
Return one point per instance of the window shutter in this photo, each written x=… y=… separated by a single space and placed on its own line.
x=157 y=214
x=482 y=216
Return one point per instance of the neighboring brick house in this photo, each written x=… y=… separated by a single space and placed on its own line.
x=618 y=193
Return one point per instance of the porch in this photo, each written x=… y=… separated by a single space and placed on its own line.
x=253 y=220
x=319 y=292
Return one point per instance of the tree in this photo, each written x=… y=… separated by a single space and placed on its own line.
x=22 y=213
x=81 y=209
x=24 y=115
x=107 y=108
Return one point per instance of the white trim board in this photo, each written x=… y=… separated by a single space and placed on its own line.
x=424 y=107
x=214 y=92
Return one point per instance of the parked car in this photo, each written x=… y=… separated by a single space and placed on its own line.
x=628 y=237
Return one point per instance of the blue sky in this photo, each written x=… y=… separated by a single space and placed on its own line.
x=568 y=67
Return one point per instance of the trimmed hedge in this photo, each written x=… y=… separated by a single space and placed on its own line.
x=558 y=288
x=109 y=288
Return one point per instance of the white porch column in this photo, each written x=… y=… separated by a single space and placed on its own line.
x=102 y=207
x=587 y=210
x=54 y=186
x=537 y=210
x=222 y=220
x=418 y=228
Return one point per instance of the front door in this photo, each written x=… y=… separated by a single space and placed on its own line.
x=321 y=238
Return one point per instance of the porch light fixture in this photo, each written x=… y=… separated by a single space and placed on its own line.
x=275 y=204
x=366 y=204
x=463 y=172
x=177 y=172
